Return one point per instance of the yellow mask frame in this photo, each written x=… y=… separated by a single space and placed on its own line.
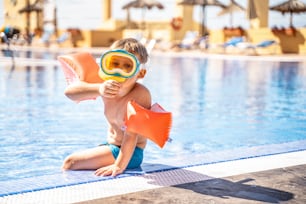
x=118 y=65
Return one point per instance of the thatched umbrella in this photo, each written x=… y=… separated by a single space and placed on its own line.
x=28 y=9
x=291 y=7
x=230 y=9
x=203 y=4
x=142 y=4
x=31 y=8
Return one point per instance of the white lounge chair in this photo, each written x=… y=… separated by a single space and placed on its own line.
x=251 y=48
x=189 y=40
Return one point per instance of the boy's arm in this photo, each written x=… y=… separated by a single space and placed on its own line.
x=126 y=151
x=130 y=138
x=124 y=157
x=81 y=90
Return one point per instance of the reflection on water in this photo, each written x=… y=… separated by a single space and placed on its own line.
x=217 y=105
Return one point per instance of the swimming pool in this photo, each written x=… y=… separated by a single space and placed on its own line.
x=223 y=109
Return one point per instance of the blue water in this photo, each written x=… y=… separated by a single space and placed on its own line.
x=222 y=109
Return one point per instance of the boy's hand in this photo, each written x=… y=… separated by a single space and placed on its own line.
x=109 y=88
x=111 y=170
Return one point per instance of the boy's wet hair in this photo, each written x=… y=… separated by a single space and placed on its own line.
x=133 y=46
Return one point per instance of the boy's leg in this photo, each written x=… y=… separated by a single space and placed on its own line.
x=90 y=159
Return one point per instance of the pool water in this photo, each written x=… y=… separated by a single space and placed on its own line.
x=222 y=109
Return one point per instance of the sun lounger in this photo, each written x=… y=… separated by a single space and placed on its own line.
x=247 y=47
x=189 y=40
x=226 y=47
x=64 y=37
x=233 y=41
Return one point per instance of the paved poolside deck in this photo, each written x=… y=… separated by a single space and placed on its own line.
x=273 y=185
x=283 y=185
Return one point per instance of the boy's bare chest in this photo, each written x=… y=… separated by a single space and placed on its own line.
x=115 y=112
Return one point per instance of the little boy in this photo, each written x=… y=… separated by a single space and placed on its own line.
x=123 y=149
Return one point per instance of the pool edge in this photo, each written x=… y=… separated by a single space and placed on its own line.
x=114 y=187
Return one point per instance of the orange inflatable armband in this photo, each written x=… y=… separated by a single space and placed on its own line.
x=80 y=67
x=154 y=124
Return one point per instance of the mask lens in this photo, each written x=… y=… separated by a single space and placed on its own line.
x=120 y=62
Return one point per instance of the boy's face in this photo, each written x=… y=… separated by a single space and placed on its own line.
x=124 y=64
x=119 y=65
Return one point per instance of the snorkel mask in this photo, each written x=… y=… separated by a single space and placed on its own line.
x=118 y=65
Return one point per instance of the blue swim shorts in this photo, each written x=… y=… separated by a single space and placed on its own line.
x=136 y=159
